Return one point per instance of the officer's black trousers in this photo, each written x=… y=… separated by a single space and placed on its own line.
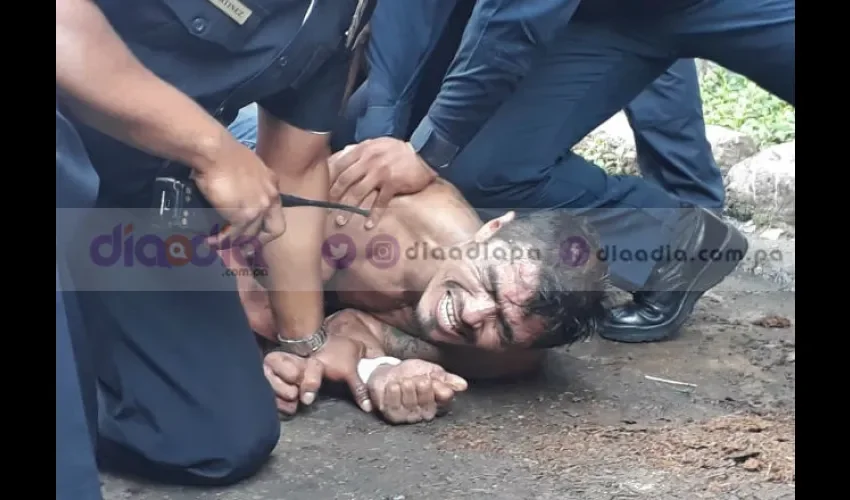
x=156 y=368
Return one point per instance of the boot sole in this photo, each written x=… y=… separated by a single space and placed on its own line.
x=709 y=277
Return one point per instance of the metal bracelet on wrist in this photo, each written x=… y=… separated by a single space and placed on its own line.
x=304 y=347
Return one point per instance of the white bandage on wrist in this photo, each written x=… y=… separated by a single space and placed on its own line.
x=366 y=366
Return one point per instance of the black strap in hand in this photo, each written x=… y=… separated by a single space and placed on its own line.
x=288 y=200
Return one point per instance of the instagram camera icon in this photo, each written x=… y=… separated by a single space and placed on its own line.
x=383 y=251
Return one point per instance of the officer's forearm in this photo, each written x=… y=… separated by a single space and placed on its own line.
x=105 y=86
x=294 y=260
x=403 y=36
x=501 y=41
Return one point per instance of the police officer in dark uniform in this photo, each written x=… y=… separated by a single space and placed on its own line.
x=670 y=138
x=76 y=401
x=667 y=117
x=533 y=77
x=153 y=84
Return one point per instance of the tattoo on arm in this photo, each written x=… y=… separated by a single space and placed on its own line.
x=401 y=345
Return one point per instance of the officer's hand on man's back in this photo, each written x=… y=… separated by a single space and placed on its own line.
x=386 y=165
x=244 y=190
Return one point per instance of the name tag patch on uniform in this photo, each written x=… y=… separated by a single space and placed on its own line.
x=234 y=9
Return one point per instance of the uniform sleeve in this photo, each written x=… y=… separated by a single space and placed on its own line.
x=403 y=35
x=496 y=52
x=315 y=106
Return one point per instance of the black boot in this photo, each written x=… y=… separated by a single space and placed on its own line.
x=709 y=250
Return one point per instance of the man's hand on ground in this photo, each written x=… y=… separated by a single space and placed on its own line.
x=413 y=390
x=340 y=357
x=244 y=190
x=385 y=164
x=293 y=379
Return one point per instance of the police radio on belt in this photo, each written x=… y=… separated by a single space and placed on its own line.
x=179 y=204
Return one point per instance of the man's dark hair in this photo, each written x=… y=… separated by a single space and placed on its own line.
x=570 y=297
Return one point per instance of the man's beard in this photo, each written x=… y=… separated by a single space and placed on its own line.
x=425 y=323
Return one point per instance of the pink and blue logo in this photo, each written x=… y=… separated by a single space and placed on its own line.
x=124 y=247
x=339 y=251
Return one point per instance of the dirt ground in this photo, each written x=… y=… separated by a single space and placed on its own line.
x=708 y=415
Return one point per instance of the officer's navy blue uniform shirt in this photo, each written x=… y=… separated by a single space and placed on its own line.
x=496 y=52
x=289 y=56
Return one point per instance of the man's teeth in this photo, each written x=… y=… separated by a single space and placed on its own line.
x=448 y=312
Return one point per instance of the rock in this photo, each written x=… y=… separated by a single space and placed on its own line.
x=729 y=147
x=767 y=258
x=705 y=67
x=752 y=464
x=762 y=187
x=772 y=234
x=612 y=146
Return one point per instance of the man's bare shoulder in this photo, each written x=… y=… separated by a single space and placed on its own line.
x=442 y=203
x=439 y=191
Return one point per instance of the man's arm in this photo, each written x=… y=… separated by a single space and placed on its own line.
x=403 y=35
x=382 y=339
x=158 y=119
x=129 y=103
x=294 y=131
x=496 y=52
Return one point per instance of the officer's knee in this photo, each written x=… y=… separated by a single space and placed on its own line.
x=225 y=457
x=242 y=454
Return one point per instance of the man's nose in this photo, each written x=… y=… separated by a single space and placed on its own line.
x=477 y=309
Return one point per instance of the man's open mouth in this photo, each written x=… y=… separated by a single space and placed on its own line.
x=447 y=314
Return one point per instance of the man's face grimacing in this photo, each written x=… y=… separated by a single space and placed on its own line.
x=509 y=288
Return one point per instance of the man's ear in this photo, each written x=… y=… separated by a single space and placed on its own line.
x=492 y=227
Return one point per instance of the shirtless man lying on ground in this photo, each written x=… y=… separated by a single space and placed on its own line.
x=464 y=299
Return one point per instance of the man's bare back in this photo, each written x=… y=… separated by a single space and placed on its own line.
x=384 y=299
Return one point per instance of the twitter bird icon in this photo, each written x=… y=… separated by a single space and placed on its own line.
x=339 y=251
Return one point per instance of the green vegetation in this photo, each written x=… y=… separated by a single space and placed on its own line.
x=729 y=100
x=732 y=101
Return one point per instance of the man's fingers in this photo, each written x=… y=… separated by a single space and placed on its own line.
x=379 y=206
x=357 y=194
x=286 y=407
x=289 y=370
x=345 y=180
x=274 y=225
x=424 y=393
x=392 y=397
x=341 y=160
x=442 y=393
x=311 y=381
x=409 y=398
x=219 y=239
x=251 y=230
x=360 y=392
x=282 y=390
x=342 y=217
x=456 y=383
